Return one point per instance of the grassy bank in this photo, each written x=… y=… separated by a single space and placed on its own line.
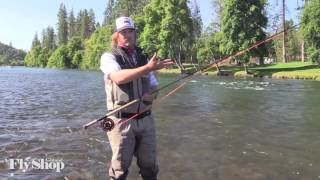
x=290 y=70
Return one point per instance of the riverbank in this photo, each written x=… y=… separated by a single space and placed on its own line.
x=290 y=70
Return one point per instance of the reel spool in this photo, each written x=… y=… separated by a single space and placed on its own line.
x=107 y=124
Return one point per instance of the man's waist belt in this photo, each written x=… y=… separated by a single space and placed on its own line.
x=129 y=115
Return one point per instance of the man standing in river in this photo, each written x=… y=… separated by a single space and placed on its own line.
x=129 y=75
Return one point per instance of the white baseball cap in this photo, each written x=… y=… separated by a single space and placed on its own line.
x=124 y=23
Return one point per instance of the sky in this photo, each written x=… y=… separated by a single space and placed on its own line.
x=20 y=20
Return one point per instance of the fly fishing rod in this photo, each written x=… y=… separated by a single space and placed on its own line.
x=108 y=124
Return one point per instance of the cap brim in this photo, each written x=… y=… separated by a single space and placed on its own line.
x=123 y=28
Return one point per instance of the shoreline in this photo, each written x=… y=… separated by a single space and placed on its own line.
x=291 y=70
x=242 y=75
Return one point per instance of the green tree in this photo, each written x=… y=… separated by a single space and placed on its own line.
x=40 y=51
x=311 y=28
x=98 y=25
x=243 y=24
x=69 y=55
x=168 y=28
x=149 y=39
x=92 y=22
x=35 y=41
x=137 y=8
x=31 y=58
x=176 y=23
x=48 y=39
x=196 y=20
x=10 y=55
x=292 y=45
x=78 y=23
x=37 y=57
x=77 y=59
x=86 y=22
x=129 y=7
x=95 y=46
x=62 y=25
x=109 y=18
x=59 y=58
x=293 y=42
x=197 y=30
x=209 y=47
x=217 y=6
x=71 y=25
x=75 y=52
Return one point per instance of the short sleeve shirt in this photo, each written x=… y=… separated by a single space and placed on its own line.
x=109 y=64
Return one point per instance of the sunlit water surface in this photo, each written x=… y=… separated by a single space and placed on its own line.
x=213 y=128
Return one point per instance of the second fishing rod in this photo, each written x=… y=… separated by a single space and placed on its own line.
x=108 y=124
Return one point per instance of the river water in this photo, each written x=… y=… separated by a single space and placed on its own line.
x=213 y=128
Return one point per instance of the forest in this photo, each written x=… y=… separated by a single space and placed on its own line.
x=174 y=29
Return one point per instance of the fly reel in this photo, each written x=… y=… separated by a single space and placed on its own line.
x=107 y=124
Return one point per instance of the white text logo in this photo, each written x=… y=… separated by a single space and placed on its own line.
x=38 y=164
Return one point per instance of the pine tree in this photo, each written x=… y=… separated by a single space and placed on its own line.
x=197 y=30
x=84 y=24
x=218 y=9
x=129 y=7
x=78 y=23
x=48 y=40
x=98 y=25
x=35 y=41
x=196 y=20
x=71 y=25
x=37 y=56
x=92 y=22
x=123 y=8
x=62 y=25
x=134 y=9
x=108 y=13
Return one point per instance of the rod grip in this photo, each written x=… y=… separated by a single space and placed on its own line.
x=110 y=113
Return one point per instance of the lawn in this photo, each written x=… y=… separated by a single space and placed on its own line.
x=290 y=70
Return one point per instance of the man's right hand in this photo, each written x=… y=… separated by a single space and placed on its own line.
x=126 y=75
x=154 y=64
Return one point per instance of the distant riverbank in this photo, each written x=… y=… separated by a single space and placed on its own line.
x=290 y=70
